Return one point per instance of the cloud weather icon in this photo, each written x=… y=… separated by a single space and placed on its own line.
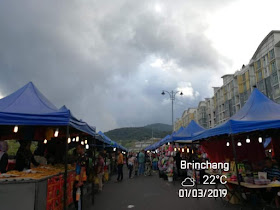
x=188 y=182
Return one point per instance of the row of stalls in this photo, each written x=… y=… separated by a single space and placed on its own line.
x=27 y=115
x=245 y=141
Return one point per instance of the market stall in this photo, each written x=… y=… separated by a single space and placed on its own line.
x=28 y=115
x=240 y=142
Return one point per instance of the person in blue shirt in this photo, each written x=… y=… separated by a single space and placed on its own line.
x=141 y=161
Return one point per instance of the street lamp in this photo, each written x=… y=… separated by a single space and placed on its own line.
x=172 y=95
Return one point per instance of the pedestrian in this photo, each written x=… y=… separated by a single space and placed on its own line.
x=131 y=160
x=81 y=177
x=178 y=162
x=120 y=166
x=100 y=171
x=3 y=156
x=141 y=161
x=155 y=162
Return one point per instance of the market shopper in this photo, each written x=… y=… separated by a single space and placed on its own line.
x=178 y=162
x=100 y=171
x=131 y=160
x=155 y=162
x=3 y=156
x=120 y=166
x=141 y=161
x=24 y=156
x=81 y=177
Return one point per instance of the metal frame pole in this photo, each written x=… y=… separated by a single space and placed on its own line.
x=66 y=168
x=235 y=158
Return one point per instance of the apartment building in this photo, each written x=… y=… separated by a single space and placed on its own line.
x=210 y=112
x=266 y=64
x=201 y=114
x=261 y=72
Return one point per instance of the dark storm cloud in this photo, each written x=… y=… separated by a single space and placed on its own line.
x=89 y=55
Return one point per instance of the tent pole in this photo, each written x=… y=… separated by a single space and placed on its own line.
x=235 y=158
x=66 y=168
x=92 y=184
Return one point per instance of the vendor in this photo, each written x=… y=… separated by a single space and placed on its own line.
x=24 y=156
x=3 y=156
x=273 y=173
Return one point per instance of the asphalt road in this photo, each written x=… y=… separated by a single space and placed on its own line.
x=150 y=193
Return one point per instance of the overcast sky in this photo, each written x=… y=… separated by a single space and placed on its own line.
x=108 y=61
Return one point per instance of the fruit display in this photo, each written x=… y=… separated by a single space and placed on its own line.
x=40 y=172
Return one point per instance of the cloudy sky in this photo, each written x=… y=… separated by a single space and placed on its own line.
x=108 y=61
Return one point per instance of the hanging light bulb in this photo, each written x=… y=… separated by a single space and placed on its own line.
x=16 y=129
x=77 y=139
x=192 y=151
x=183 y=150
x=73 y=139
x=69 y=140
x=56 y=132
x=188 y=150
x=86 y=141
x=87 y=146
x=248 y=140
x=239 y=144
x=269 y=150
x=82 y=143
x=45 y=141
x=260 y=139
x=227 y=144
x=175 y=149
x=168 y=143
x=114 y=149
x=124 y=153
x=148 y=151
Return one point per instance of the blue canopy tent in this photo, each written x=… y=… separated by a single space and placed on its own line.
x=166 y=139
x=259 y=113
x=159 y=143
x=111 y=143
x=29 y=107
x=186 y=135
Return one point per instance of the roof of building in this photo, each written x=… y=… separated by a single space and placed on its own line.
x=263 y=41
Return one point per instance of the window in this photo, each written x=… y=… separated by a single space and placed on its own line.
x=264 y=61
x=259 y=75
x=271 y=54
x=276 y=91
x=243 y=77
x=258 y=64
x=244 y=86
x=261 y=86
x=273 y=66
x=274 y=78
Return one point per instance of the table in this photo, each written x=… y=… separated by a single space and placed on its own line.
x=254 y=186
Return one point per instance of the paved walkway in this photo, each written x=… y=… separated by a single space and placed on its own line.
x=150 y=193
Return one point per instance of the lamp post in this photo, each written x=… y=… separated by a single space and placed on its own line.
x=172 y=95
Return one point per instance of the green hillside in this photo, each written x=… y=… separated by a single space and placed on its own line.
x=126 y=136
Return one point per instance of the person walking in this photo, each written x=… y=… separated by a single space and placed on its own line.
x=120 y=166
x=81 y=177
x=100 y=171
x=141 y=161
x=131 y=160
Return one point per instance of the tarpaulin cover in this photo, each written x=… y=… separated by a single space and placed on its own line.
x=28 y=106
x=188 y=132
x=259 y=113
